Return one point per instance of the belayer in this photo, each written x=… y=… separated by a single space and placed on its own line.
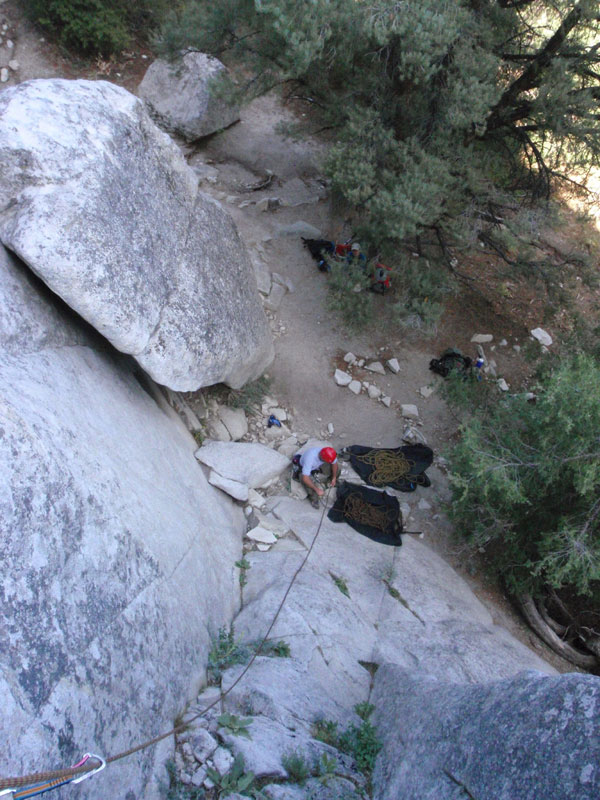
x=312 y=461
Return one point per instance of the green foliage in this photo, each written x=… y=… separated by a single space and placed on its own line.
x=325 y=730
x=237 y=725
x=278 y=649
x=362 y=744
x=225 y=652
x=348 y=294
x=340 y=583
x=324 y=767
x=251 y=396
x=448 y=116
x=95 y=27
x=526 y=482
x=236 y=780
x=243 y=565
x=179 y=791
x=364 y=710
x=423 y=287
x=296 y=766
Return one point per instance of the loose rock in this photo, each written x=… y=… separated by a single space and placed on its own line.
x=542 y=336
x=355 y=386
x=409 y=411
x=482 y=338
x=376 y=366
x=342 y=378
x=393 y=364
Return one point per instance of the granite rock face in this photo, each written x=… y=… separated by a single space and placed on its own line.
x=529 y=737
x=101 y=205
x=110 y=555
x=182 y=96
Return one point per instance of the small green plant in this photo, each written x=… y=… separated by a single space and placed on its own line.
x=392 y=591
x=237 y=725
x=236 y=780
x=199 y=437
x=364 y=710
x=361 y=742
x=324 y=767
x=296 y=767
x=278 y=649
x=251 y=396
x=325 y=730
x=340 y=583
x=224 y=653
x=177 y=790
x=243 y=566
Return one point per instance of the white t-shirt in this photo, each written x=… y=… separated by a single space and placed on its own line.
x=310 y=461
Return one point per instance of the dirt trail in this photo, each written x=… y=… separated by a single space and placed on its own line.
x=309 y=340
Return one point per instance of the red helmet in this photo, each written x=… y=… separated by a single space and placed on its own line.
x=328 y=454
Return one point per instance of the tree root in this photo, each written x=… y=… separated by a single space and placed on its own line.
x=544 y=631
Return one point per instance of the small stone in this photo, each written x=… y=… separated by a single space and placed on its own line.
x=374 y=392
x=517 y=348
x=393 y=364
x=3 y=74
x=482 y=338
x=198 y=777
x=426 y=391
x=502 y=343
x=502 y=385
x=423 y=505
x=255 y=499
x=260 y=534
x=14 y=65
x=386 y=400
x=276 y=295
x=542 y=336
x=376 y=366
x=223 y=760
x=355 y=386
x=361 y=362
x=263 y=547
x=284 y=282
x=409 y=411
x=342 y=378
x=349 y=358
x=203 y=746
x=208 y=784
x=280 y=413
x=10 y=44
x=330 y=428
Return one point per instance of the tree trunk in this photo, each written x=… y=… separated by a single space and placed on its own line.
x=545 y=632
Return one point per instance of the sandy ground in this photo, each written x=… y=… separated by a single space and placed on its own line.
x=310 y=342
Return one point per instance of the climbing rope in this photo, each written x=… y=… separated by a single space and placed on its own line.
x=357 y=509
x=389 y=466
x=46 y=781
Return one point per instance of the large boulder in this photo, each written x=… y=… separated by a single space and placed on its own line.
x=102 y=206
x=528 y=737
x=188 y=97
x=113 y=547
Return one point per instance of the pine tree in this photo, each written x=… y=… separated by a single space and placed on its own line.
x=449 y=116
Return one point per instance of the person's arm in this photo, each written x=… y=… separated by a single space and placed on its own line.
x=335 y=468
x=308 y=481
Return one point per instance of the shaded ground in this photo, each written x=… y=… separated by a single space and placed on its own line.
x=310 y=341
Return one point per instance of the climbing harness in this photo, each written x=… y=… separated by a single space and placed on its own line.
x=39 y=782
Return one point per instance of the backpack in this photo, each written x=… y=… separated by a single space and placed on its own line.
x=451 y=359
